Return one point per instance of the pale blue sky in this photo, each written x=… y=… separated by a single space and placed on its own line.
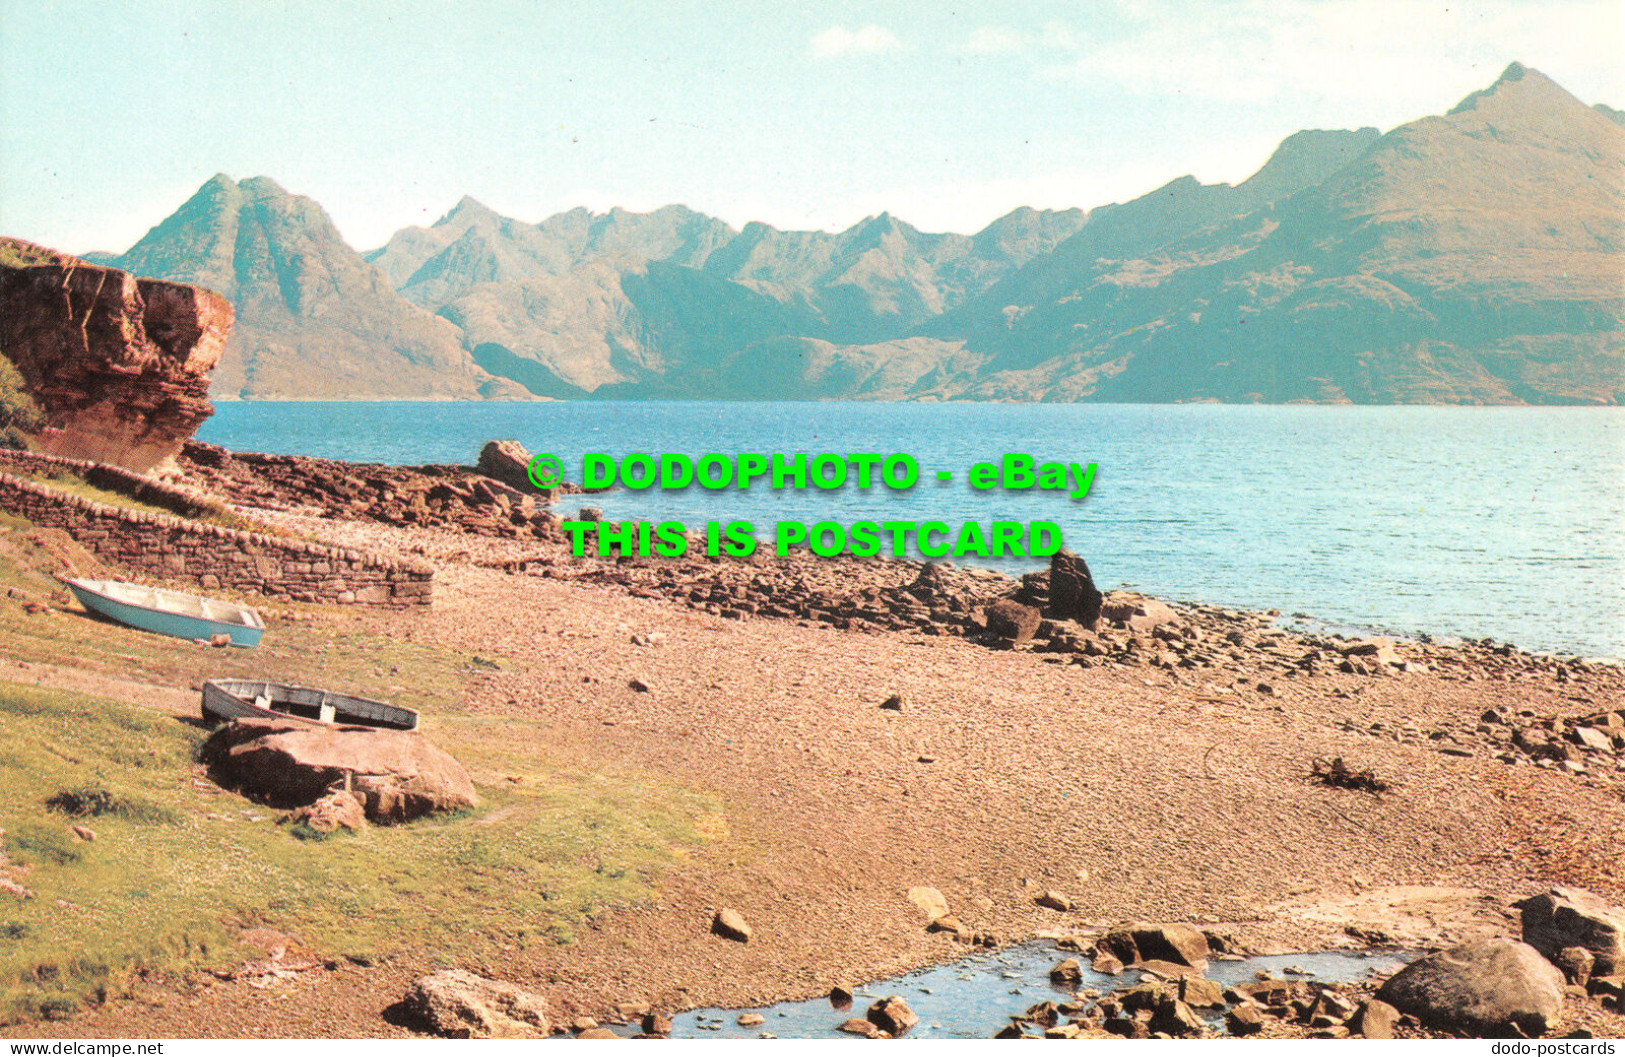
x=802 y=115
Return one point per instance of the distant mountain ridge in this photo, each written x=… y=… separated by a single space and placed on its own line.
x=1473 y=257
x=313 y=318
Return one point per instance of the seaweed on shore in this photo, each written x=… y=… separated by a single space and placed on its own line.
x=1340 y=775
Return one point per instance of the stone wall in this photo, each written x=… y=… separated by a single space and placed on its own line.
x=148 y=490
x=214 y=557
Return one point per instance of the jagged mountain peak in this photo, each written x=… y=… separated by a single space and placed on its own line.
x=468 y=210
x=1519 y=88
x=262 y=187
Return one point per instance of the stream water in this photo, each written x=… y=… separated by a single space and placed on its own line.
x=974 y=997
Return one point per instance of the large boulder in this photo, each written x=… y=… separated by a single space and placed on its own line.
x=397 y=775
x=1173 y=945
x=1573 y=917
x=459 y=1005
x=508 y=461
x=1072 y=591
x=1484 y=987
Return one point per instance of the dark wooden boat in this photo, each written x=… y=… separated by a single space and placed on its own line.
x=228 y=699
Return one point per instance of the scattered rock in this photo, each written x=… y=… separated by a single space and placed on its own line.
x=1481 y=987
x=1012 y=623
x=1378 y=651
x=1340 y=775
x=457 y=1004
x=892 y=1015
x=1198 y=992
x=856 y=1026
x=655 y=1024
x=597 y=1033
x=221 y=639
x=336 y=810
x=750 y=1020
x=731 y=925
x=840 y=997
x=1244 y=1019
x=1175 y=1017
x=1174 y=945
x=930 y=901
x=1107 y=963
x=507 y=461
x=1577 y=964
x=1136 y=612
x=1054 y=901
x=84 y=833
x=894 y=703
x=638 y=685
x=1375 y=1019
x=1067 y=971
x=1573 y=917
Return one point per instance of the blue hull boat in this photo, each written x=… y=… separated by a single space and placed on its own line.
x=168 y=612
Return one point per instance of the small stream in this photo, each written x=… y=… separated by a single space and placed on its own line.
x=974 y=997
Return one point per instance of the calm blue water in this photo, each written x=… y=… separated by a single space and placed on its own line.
x=1499 y=522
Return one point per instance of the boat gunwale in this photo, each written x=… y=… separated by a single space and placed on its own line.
x=251 y=617
x=386 y=710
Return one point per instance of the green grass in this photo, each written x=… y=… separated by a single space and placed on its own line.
x=175 y=868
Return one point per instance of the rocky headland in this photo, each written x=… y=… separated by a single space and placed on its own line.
x=119 y=365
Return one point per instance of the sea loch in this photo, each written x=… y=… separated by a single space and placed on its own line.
x=1499 y=522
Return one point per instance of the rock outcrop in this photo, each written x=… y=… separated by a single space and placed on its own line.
x=508 y=461
x=120 y=366
x=397 y=775
x=1072 y=591
x=1484 y=987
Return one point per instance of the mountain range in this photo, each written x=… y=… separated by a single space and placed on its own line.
x=1473 y=257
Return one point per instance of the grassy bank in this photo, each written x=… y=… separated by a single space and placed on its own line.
x=178 y=867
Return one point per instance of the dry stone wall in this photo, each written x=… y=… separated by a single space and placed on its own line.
x=213 y=556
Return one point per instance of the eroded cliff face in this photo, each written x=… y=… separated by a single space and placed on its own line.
x=119 y=365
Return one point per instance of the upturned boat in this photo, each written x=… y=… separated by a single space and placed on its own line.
x=168 y=612
x=228 y=699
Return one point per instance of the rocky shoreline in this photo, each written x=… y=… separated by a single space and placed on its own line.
x=1219 y=649
x=1055 y=759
